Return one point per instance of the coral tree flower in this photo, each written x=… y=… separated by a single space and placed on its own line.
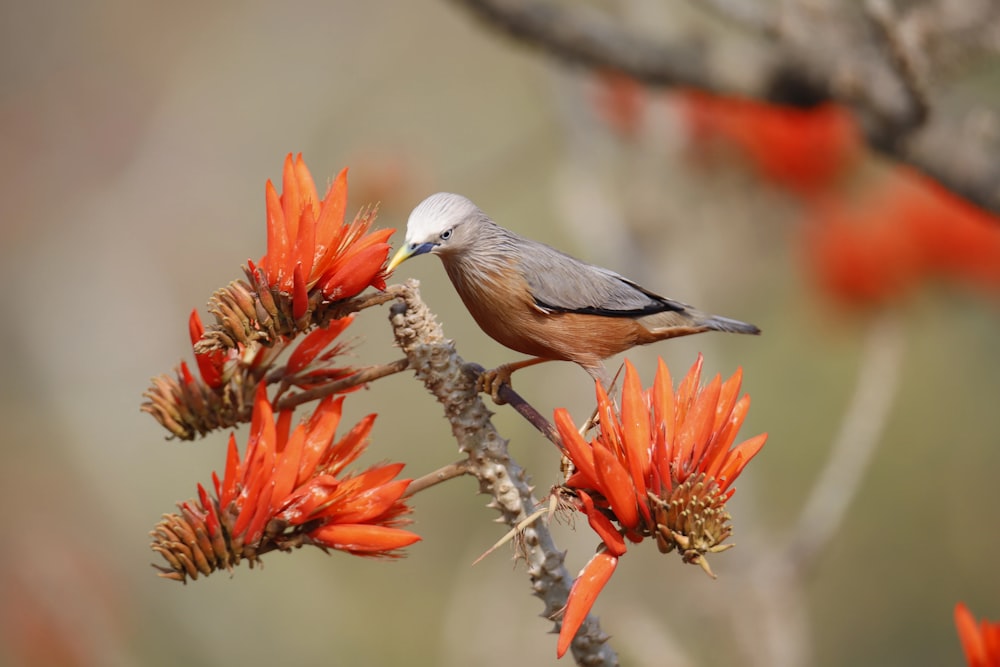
x=288 y=491
x=309 y=246
x=981 y=642
x=662 y=467
x=315 y=262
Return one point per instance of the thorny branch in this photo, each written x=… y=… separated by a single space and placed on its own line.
x=525 y=409
x=437 y=364
x=822 y=52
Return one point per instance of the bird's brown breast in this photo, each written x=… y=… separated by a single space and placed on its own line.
x=503 y=307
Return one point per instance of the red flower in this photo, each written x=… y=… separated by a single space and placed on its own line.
x=660 y=467
x=286 y=492
x=981 y=643
x=309 y=246
x=211 y=363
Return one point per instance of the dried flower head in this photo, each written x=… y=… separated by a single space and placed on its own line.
x=188 y=406
x=287 y=491
x=661 y=467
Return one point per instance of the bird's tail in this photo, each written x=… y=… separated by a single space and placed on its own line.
x=670 y=324
x=718 y=323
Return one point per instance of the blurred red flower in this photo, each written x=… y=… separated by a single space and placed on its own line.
x=802 y=149
x=901 y=232
x=981 y=642
x=285 y=493
x=661 y=467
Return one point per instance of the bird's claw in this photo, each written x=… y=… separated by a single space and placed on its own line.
x=489 y=382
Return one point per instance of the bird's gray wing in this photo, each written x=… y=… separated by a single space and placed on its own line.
x=560 y=283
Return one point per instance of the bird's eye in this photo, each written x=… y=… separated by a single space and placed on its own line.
x=445 y=235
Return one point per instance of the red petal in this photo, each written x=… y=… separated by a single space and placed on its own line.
x=363 y=539
x=307 y=188
x=320 y=429
x=210 y=364
x=228 y=491
x=576 y=448
x=330 y=222
x=287 y=465
x=277 y=254
x=307 y=499
x=740 y=457
x=186 y=374
x=356 y=272
x=692 y=436
x=305 y=245
x=291 y=201
x=582 y=596
x=727 y=399
x=314 y=343
x=635 y=429
x=369 y=505
x=687 y=390
x=970 y=637
x=616 y=486
x=261 y=417
x=663 y=413
x=349 y=448
x=300 y=293
x=729 y=430
x=602 y=525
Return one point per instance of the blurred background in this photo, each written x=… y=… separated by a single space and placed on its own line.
x=136 y=141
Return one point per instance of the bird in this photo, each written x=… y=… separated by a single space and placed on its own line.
x=539 y=301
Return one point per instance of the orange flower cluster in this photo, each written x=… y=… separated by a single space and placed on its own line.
x=981 y=642
x=287 y=491
x=906 y=230
x=662 y=467
x=313 y=264
x=309 y=246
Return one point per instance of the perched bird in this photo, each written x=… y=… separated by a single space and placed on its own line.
x=542 y=302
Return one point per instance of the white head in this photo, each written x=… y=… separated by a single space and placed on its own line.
x=442 y=223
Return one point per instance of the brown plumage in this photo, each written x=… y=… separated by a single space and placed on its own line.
x=542 y=302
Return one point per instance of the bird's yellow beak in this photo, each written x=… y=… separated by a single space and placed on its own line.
x=407 y=251
x=401 y=256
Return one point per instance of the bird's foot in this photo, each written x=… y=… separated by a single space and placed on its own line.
x=489 y=382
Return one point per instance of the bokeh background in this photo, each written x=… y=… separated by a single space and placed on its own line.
x=136 y=139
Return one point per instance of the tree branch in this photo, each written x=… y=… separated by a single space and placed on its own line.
x=882 y=91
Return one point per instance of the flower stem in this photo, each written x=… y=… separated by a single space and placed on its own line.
x=442 y=474
x=367 y=374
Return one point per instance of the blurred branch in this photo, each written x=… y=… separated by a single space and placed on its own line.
x=825 y=55
x=437 y=364
x=855 y=444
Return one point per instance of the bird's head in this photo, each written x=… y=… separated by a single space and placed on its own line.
x=441 y=224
